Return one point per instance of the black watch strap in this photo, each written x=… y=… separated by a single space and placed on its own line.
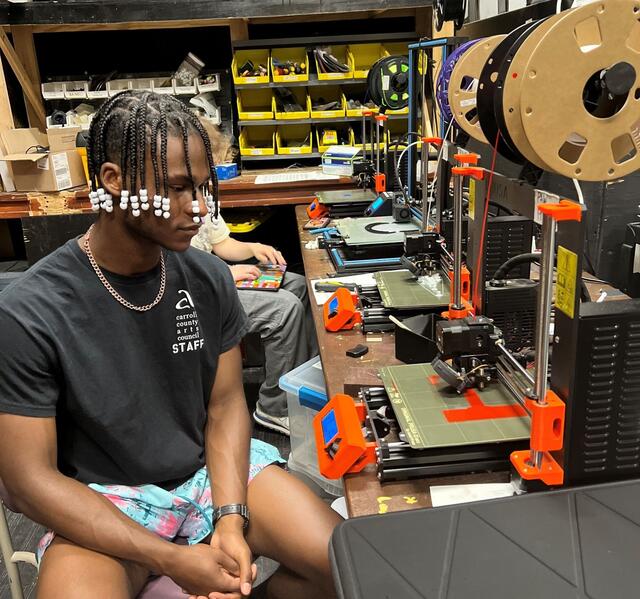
x=233 y=508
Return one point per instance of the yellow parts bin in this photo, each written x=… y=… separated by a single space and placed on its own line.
x=359 y=93
x=333 y=136
x=396 y=49
x=364 y=57
x=294 y=139
x=321 y=96
x=255 y=104
x=257 y=141
x=290 y=60
x=344 y=56
x=259 y=58
x=245 y=221
x=396 y=128
x=299 y=96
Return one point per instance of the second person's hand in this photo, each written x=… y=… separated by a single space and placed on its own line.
x=267 y=254
x=244 y=272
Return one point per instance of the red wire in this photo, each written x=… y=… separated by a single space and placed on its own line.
x=484 y=220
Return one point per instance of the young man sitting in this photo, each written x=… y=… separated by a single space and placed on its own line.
x=283 y=319
x=123 y=422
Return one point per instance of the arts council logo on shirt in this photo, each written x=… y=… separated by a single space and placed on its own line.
x=187 y=327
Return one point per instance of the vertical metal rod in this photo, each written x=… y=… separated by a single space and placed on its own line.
x=377 y=147
x=457 y=242
x=364 y=136
x=424 y=179
x=385 y=142
x=543 y=315
x=372 y=120
x=413 y=118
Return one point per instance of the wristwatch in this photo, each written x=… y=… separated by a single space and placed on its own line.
x=234 y=508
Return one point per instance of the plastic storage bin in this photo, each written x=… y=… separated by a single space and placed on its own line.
x=397 y=49
x=327 y=94
x=357 y=92
x=294 y=139
x=76 y=90
x=298 y=55
x=144 y=84
x=163 y=85
x=118 y=85
x=53 y=90
x=343 y=55
x=300 y=94
x=257 y=141
x=208 y=82
x=344 y=137
x=306 y=395
x=255 y=104
x=242 y=221
x=257 y=57
x=364 y=57
x=185 y=89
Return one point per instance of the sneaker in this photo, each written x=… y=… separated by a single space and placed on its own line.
x=275 y=423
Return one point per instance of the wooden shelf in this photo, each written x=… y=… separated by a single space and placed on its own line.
x=310 y=121
x=136 y=13
x=295 y=157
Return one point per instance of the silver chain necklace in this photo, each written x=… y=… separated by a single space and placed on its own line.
x=112 y=291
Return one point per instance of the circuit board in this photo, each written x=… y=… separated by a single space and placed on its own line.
x=431 y=414
x=399 y=289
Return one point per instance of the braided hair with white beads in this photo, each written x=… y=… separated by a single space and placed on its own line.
x=125 y=130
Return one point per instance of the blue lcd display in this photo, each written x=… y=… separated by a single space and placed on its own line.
x=329 y=427
x=333 y=307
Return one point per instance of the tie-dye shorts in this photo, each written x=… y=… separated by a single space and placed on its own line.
x=185 y=511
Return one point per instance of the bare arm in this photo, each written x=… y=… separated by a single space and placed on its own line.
x=228 y=438
x=28 y=468
x=29 y=471
x=228 y=433
x=233 y=250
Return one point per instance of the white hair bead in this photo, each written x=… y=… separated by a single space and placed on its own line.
x=157 y=212
x=135 y=212
x=166 y=214
x=123 y=205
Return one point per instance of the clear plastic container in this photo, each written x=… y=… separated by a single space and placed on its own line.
x=306 y=394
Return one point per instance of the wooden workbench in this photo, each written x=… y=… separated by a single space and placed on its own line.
x=241 y=192
x=364 y=493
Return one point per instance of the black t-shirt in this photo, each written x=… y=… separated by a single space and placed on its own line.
x=129 y=390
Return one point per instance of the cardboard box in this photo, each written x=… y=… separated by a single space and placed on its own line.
x=62 y=139
x=42 y=171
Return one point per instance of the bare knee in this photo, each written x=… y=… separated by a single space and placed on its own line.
x=69 y=571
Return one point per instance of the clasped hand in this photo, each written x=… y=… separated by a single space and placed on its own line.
x=221 y=570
